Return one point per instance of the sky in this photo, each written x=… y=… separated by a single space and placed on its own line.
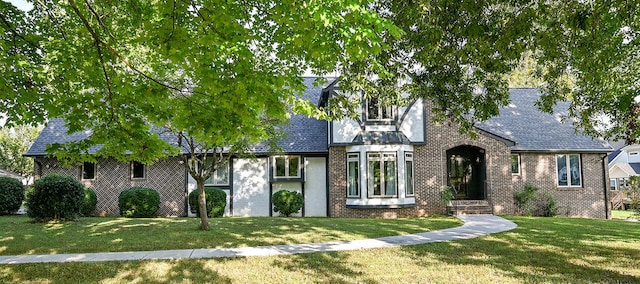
x=21 y=4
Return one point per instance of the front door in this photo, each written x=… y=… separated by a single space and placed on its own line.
x=466 y=172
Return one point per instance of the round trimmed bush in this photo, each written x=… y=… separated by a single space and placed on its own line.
x=55 y=197
x=11 y=195
x=138 y=202
x=216 y=202
x=287 y=202
x=90 y=202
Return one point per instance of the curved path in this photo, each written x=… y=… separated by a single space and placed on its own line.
x=474 y=226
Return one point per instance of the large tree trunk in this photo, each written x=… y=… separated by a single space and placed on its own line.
x=202 y=204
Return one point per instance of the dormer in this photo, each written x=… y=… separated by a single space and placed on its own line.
x=405 y=124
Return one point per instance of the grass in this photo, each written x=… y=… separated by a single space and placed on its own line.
x=624 y=214
x=540 y=250
x=18 y=235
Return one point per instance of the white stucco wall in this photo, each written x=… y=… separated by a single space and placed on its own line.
x=315 y=187
x=251 y=187
x=344 y=131
x=413 y=124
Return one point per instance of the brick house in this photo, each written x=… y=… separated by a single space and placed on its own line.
x=391 y=162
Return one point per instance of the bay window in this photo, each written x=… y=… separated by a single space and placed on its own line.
x=382 y=174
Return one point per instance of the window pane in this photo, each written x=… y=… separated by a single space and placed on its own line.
x=372 y=109
x=353 y=178
x=409 y=177
x=390 y=178
x=574 y=165
x=294 y=166
x=515 y=164
x=138 y=170
x=613 y=184
x=374 y=178
x=562 y=170
x=280 y=166
x=222 y=173
x=387 y=112
x=88 y=170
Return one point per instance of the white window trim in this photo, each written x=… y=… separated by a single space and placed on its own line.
x=568 y=166
x=519 y=172
x=381 y=160
x=286 y=167
x=214 y=176
x=95 y=171
x=613 y=183
x=408 y=156
x=144 y=171
x=354 y=157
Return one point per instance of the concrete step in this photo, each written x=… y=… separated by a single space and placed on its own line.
x=469 y=207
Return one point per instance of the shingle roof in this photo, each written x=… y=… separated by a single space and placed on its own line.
x=532 y=130
x=635 y=167
x=303 y=134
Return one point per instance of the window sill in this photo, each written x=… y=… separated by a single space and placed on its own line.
x=394 y=206
x=388 y=202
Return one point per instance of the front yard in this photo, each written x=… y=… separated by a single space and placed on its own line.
x=547 y=250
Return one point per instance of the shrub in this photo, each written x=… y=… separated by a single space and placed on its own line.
x=528 y=201
x=90 y=201
x=287 y=202
x=138 y=202
x=11 y=195
x=216 y=202
x=546 y=206
x=55 y=197
x=447 y=195
x=523 y=199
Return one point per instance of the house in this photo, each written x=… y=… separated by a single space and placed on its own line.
x=390 y=162
x=624 y=164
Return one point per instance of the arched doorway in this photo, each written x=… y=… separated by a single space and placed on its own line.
x=466 y=172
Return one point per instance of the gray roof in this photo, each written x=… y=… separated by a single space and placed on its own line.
x=635 y=167
x=381 y=137
x=303 y=134
x=532 y=130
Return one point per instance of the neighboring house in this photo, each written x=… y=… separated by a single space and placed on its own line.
x=624 y=163
x=390 y=162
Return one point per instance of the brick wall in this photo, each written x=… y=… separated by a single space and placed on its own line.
x=430 y=175
x=586 y=201
x=112 y=177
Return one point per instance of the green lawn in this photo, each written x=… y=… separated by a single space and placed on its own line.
x=624 y=214
x=18 y=235
x=540 y=250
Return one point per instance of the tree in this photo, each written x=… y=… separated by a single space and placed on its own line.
x=209 y=71
x=597 y=44
x=13 y=143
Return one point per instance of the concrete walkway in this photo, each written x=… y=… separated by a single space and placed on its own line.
x=474 y=226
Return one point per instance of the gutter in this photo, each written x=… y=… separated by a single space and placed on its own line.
x=605 y=181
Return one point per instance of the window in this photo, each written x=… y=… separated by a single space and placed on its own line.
x=408 y=170
x=614 y=184
x=634 y=153
x=88 y=170
x=137 y=170
x=375 y=111
x=569 y=172
x=287 y=167
x=382 y=174
x=221 y=175
x=515 y=164
x=353 y=174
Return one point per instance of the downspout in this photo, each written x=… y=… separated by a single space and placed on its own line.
x=605 y=181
